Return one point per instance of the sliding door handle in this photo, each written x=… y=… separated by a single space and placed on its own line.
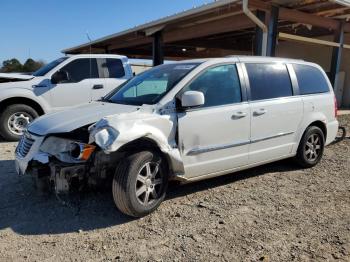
x=259 y=112
x=238 y=115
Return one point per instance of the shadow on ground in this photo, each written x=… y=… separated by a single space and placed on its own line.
x=25 y=211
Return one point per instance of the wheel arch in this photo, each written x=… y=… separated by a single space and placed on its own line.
x=144 y=143
x=22 y=100
x=320 y=125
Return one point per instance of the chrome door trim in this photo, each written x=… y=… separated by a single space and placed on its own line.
x=200 y=150
x=271 y=137
x=206 y=149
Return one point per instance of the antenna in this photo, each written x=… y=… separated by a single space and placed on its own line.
x=88 y=37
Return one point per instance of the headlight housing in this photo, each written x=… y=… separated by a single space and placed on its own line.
x=67 y=150
x=81 y=151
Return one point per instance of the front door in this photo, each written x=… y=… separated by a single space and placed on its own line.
x=275 y=113
x=79 y=87
x=215 y=137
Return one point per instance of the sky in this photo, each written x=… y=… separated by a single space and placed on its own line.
x=41 y=29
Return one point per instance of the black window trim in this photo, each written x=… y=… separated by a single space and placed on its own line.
x=293 y=81
x=242 y=81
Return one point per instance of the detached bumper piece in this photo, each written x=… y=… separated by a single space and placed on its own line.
x=67 y=178
x=58 y=177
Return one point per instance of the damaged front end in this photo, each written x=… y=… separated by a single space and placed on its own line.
x=63 y=162
x=88 y=156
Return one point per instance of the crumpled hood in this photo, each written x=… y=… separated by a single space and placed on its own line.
x=73 y=118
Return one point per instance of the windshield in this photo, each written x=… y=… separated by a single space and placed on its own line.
x=150 y=86
x=46 y=68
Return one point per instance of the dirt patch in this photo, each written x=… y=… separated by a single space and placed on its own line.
x=276 y=212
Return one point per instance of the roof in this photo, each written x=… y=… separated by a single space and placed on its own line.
x=220 y=25
x=244 y=59
x=98 y=55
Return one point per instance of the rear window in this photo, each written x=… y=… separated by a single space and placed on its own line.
x=115 y=68
x=111 y=68
x=269 y=81
x=310 y=80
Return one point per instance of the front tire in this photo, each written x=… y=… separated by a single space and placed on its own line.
x=14 y=119
x=311 y=147
x=140 y=183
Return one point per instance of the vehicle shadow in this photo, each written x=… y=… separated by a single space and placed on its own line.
x=176 y=190
x=2 y=141
x=27 y=212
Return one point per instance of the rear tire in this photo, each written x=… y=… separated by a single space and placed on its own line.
x=140 y=183
x=14 y=119
x=311 y=147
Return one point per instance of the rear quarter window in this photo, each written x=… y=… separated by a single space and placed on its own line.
x=111 y=68
x=115 y=68
x=310 y=80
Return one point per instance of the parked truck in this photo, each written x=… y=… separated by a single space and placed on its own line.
x=66 y=82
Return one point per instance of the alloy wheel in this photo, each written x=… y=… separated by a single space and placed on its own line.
x=149 y=183
x=313 y=147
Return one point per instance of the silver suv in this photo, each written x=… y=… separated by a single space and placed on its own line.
x=184 y=121
x=63 y=83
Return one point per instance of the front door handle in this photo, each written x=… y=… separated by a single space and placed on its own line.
x=97 y=87
x=260 y=112
x=238 y=115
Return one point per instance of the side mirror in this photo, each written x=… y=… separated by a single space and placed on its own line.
x=192 y=99
x=59 y=77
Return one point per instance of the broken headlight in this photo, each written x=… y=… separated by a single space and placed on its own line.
x=81 y=151
x=67 y=150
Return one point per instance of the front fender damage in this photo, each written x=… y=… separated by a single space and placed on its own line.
x=113 y=132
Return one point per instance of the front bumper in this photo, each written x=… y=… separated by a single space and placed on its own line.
x=49 y=172
x=25 y=153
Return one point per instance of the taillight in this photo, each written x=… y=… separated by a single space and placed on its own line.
x=335 y=107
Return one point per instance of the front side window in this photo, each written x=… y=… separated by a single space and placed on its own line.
x=150 y=86
x=220 y=86
x=80 y=69
x=269 y=81
x=310 y=80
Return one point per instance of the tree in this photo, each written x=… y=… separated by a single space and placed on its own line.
x=12 y=65
x=31 y=66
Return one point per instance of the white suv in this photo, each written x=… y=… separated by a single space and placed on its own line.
x=184 y=121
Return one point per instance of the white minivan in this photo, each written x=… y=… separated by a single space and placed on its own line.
x=185 y=121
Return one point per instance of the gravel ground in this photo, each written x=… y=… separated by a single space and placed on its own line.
x=276 y=212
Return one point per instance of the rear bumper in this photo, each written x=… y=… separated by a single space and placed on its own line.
x=332 y=130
